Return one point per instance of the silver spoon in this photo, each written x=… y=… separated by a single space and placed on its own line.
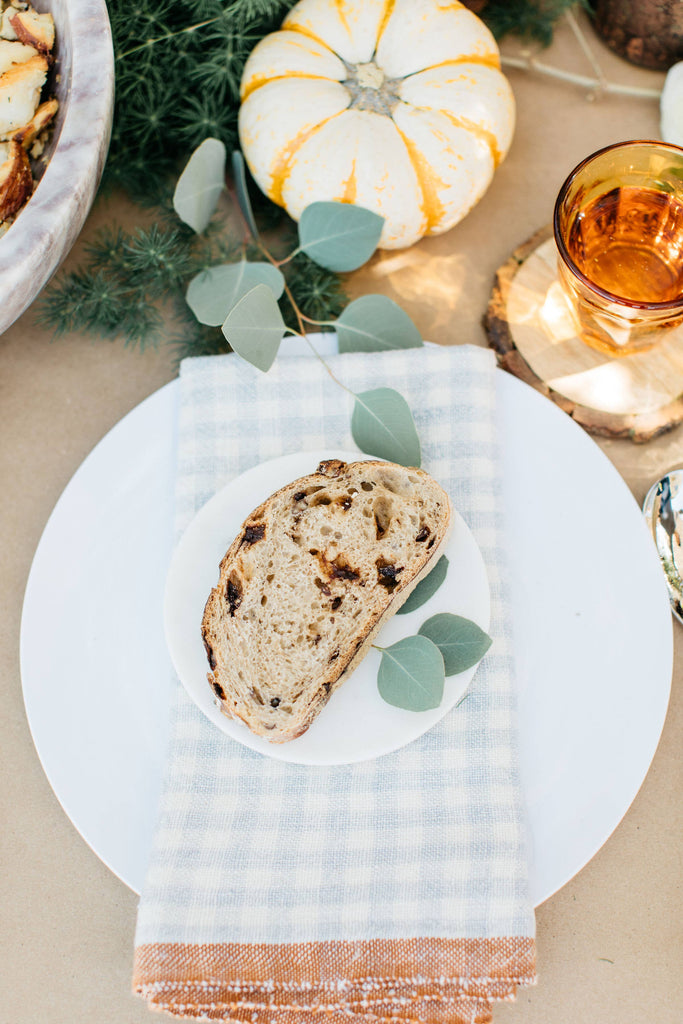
x=663 y=511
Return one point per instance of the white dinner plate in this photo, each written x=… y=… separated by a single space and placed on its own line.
x=356 y=724
x=591 y=615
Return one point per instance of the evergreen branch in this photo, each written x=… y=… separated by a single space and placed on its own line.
x=106 y=252
x=95 y=302
x=164 y=257
x=528 y=19
x=116 y=293
x=148 y=43
x=178 y=69
x=203 y=117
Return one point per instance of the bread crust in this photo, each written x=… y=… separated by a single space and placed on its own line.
x=299 y=532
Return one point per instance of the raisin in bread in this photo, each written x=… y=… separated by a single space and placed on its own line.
x=304 y=588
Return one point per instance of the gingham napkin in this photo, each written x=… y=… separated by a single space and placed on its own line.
x=394 y=889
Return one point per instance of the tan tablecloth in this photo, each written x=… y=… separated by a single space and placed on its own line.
x=610 y=942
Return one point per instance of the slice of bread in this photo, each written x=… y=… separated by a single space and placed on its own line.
x=312 y=576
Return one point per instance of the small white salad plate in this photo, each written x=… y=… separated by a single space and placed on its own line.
x=356 y=724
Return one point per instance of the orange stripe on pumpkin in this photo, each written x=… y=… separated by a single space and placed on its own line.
x=432 y=207
x=487 y=60
x=476 y=129
x=283 y=165
x=303 y=31
x=350 y=186
x=339 y=4
x=386 y=14
x=258 y=81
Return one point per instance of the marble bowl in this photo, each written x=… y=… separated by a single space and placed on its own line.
x=82 y=79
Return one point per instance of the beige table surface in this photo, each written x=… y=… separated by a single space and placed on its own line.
x=609 y=943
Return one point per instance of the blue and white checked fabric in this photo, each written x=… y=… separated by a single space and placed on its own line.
x=428 y=840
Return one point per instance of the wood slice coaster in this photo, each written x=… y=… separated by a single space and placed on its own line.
x=530 y=326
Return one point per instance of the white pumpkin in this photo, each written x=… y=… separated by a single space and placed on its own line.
x=396 y=105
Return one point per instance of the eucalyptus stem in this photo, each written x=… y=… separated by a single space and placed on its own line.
x=318 y=323
x=263 y=249
x=297 y=311
x=288 y=259
x=246 y=230
x=318 y=356
x=271 y=259
x=300 y=317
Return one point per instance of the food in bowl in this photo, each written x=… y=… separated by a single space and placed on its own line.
x=26 y=43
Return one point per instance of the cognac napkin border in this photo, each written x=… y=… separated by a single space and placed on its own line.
x=390 y=890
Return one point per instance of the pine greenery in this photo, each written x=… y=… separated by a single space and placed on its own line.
x=178 y=69
x=530 y=19
x=128 y=277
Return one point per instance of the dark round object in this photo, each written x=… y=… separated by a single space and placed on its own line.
x=645 y=32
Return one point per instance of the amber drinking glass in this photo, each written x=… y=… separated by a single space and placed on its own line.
x=618 y=227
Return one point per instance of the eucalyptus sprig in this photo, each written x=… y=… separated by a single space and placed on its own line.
x=242 y=297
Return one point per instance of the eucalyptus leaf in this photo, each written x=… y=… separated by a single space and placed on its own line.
x=411 y=674
x=239 y=173
x=339 y=236
x=254 y=327
x=426 y=588
x=382 y=424
x=201 y=183
x=461 y=642
x=212 y=293
x=374 y=323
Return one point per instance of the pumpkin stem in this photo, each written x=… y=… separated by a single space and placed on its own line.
x=370 y=89
x=369 y=76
